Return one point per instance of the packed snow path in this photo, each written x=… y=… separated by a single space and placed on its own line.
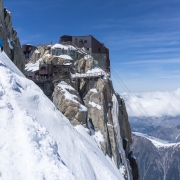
x=37 y=141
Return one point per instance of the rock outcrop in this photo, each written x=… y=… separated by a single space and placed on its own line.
x=67 y=100
x=105 y=116
x=11 y=42
x=83 y=65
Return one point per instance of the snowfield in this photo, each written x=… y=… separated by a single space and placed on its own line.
x=37 y=141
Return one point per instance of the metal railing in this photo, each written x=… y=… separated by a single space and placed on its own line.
x=88 y=75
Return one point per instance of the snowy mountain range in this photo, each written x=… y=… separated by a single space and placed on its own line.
x=155 y=113
x=157 y=159
x=155 y=122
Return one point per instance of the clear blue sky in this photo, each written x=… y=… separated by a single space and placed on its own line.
x=143 y=36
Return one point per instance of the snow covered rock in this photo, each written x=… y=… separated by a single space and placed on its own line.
x=100 y=105
x=83 y=65
x=68 y=101
x=105 y=116
x=11 y=42
x=45 y=55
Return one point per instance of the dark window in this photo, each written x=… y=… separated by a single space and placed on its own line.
x=81 y=42
x=27 y=55
x=43 y=68
x=99 y=50
x=87 y=49
x=85 y=41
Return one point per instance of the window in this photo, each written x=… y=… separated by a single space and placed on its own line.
x=27 y=55
x=87 y=49
x=81 y=42
x=43 y=68
x=99 y=49
x=85 y=41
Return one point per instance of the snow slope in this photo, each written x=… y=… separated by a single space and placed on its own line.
x=37 y=141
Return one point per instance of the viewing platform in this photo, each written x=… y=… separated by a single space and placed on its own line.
x=89 y=75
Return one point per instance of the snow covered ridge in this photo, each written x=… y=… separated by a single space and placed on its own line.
x=38 y=142
x=156 y=104
x=157 y=142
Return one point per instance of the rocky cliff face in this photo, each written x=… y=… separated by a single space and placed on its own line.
x=95 y=105
x=11 y=43
x=157 y=160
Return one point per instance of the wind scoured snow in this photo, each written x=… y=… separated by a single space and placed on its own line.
x=38 y=142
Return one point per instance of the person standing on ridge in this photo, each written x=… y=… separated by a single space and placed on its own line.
x=1 y=44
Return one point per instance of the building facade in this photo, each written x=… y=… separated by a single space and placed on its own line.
x=92 y=46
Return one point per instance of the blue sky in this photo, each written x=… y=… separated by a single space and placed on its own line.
x=143 y=36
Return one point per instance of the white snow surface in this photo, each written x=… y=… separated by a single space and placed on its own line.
x=157 y=104
x=94 y=90
x=59 y=46
x=157 y=142
x=32 y=67
x=90 y=73
x=65 y=47
x=10 y=46
x=65 y=57
x=96 y=70
x=36 y=51
x=37 y=141
x=86 y=57
x=93 y=104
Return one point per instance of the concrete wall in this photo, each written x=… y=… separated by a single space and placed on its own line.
x=86 y=41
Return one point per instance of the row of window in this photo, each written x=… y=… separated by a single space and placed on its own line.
x=81 y=41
